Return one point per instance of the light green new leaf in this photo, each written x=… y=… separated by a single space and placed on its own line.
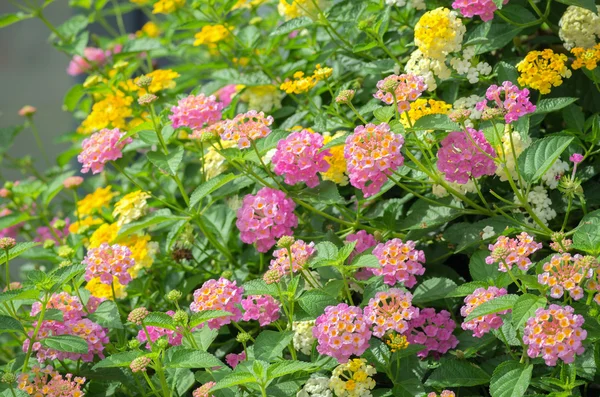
x=288 y=367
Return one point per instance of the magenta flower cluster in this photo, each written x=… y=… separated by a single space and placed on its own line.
x=514 y=102
x=301 y=252
x=483 y=8
x=466 y=154
x=341 y=332
x=390 y=310
x=220 y=294
x=483 y=324
x=434 y=331
x=196 y=112
x=100 y=148
x=555 y=333
x=107 y=262
x=92 y=57
x=155 y=333
x=247 y=127
x=364 y=241
x=299 y=158
x=263 y=308
x=265 y=217
x=405 y=87
x=372 y=153
x=233 y=359
x=399 y=262
x=510 y=251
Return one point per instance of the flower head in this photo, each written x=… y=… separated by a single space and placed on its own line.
x=438 y=33
x=210 y=35
x=444 y=393
x=7 y=243
x=300 y=252
x=586 y=57
x=102 y=147
x=542 y=70
x=48 y=382
x=390 y=311
x=353 y=379
x=196 y=112
x=341 y=332
x=513 y=102
x=140 y=364
x=423 y=107
x=263 y=308
x=372 y=153
x=482 y=324
x=579 y=27
x=220 y=294
x=72 y=182
x=464 y=155
x=566 y=273
x=299 y=158
x=173 y=337
x=399 y=262
x=337 y=171
x=265 y=217
x=167 y=6
x=27 y=111
x=576 y=158
x=111 y=111
x=510 y=251
x=405 y=87
x=483 y=8
x=204 y=390
x=69 y=305
x=434 y=331
x=555 y=333
x=92 y=58
x=247 y=127
x=131 y=207
x=233 y=359
x=303 y=336
x=138 y=315
x=108 y=261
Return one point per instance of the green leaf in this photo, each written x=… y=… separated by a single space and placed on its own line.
x=141 y=45
x=161 y=320
x=288 y=367
x=72 y=26
x=587 y=234
x=345 y=251
x=107 y=315
x=326 y=254
x=314 y=302
x=506 y=72
x=510 y=379
x=18 y=294
x=234 y=379
x=457 y=373
x=9 y=19
x=325 y=193
x=17 y=250
x=54 y=315
x=525 y=307
x=73 y=97
x=205 y=315
x=269 y=345
x=7 y=136
x=499 y=304
x=248 y=36
x=424 y=215
x=259 y=287
x=291 y=25
x=587 y=4
x=539 y=157
x=384 y=113
x=552 y=104
x=433 y=289
x=436 y=122
x=66 y=343
x=154 y=218
x=210 y=186
x=9 y=324
x=340 y=140
x=498 y=35
x=168 y=163
x=466 y=289
x=190 y=358
x=122 y=359
x=366 y=260
x=408 y=388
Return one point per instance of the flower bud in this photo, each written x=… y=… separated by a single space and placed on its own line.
x=65 y=263
x=120 y=65
x=345 y=96
x=228 y=274
x=272 y=276
x=137 y=315
x=133 y=344
x=49 y=243
x=7 y=243
x=140 y=364
x=92 y=81
x=174 y=295
x=147 y=99
x=143 y=81
x=285 y=242
x=180 y=318
x=9 y=378
x=27 y=111
x=64 y=251
x=243 y=337
x=460 y=115
x=162 y=343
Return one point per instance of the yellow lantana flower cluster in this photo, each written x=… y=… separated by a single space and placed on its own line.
x=97 y=200
x=586 y=58
x=423 y=107
x=210 y=35
x=101 y=290
x=438 y=33
x=110 y=112
x=150 y=29
x=214 y=162
x=162 y=79
x=396 y=342
x=247 y=4
x=299 y=8
x=353 y=379
x=302 y=83
x=337 y=162
x=542 y=70
x=167 y=6
x=262 y=98
x=131 y=207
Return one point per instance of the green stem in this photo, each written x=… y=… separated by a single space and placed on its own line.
x=6 y=251
x=42 y=18
x=149 y=381
x=351 y=106
x=35 y=333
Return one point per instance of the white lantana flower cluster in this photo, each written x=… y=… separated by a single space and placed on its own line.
x=540 y=204
x=579 y=27
x=487 y=232
x=427 y=68
x=262 y=98
x=469 y=67
x=469 y=103
x=519 y=145
x=317 y=386
x=440 y=191
x=303 y=337
x=552 y=177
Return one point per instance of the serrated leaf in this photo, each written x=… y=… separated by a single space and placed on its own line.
x=552 y=104
x=234 y=379
x=587 y=4
x=210 y=186
x=510 y=379
x=433 y=289
x=587 y=234
x=66 y=343
x=107 y=315
x=291 y=25
x=385 y=113
x=288 y=367
x=73 y=97
x=17 y=294
x=122 y=359
x=436 y=122
x=457 y=373
x=259 y=287
x=17 y=250
x=314 y=302
x=367 y=260
x=539 y=157
x=141 y=45
x=525 y=307
x=9 y=19
x=466 y=289
x=205 y=315
x=161 y=320
x=499 y=304
x=190 y=358
x=269 y=345
x=9 y=324
x=168 y=163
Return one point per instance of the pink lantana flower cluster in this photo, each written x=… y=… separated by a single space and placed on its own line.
x=155 y=333
x=399 y=262
x=434 y=331
x=405 y=87
x=107 y=262
x=48 y=382
x=364 y=241
x=390 y=310
x=444 y=393
x=233 y=359
x=301 y=252
x=510 y=251
x=100 y=148
x=566 y=272
x=299 y=159
x=464 y=155
x=265 y=217
x=484 y=8
x=482 y=324
x=204 y=390
x=220 y=294
x=263 y=308
x=341 y=332
x=372 y=153
x=514 y=102
x=247 y=127
x=555 y=333
x=92 y=57
x=69 y=305
x=196 y=112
